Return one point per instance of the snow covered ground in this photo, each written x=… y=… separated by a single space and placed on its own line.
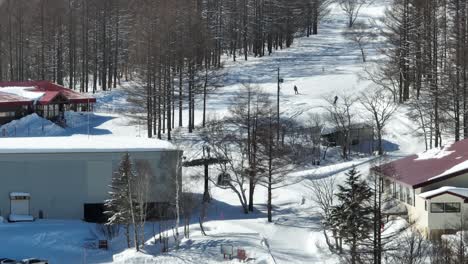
x=321 y=66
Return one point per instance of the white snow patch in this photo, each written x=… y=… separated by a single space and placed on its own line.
x=435 y=153
x=460 y=191
x=26 y=92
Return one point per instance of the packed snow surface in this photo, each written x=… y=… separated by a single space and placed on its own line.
x=26 y=92
x=81 y=144
x=456 y=190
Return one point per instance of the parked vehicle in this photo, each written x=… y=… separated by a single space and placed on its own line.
x=34 y=261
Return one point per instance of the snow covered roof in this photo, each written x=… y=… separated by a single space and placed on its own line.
x=27 y=92
x=430 y=166
x=8 y=99
x=327 y=130
x=42 y=92
x=83 y=144
x=15 y=194
x=463 y=192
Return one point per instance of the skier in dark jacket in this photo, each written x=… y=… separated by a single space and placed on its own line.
x=295 y=90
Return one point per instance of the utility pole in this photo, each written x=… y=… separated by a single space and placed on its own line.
x=280 y=80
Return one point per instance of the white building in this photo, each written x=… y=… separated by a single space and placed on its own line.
x=69 y=177
x=434 y=187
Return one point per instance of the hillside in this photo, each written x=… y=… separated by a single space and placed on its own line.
x=322 y=67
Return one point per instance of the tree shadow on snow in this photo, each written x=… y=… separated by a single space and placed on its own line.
x=218 y=210
x=79 y=124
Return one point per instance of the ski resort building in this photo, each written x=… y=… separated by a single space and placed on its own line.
x=47 y=99
x=69 y=177
x=361 y=137
x=433 y=186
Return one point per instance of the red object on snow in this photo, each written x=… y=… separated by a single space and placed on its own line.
x=241 y=254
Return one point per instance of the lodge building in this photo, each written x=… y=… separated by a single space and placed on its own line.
x=432 y=186
x=47 y=99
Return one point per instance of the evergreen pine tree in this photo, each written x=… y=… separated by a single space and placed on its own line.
x=352 y=217
x=119 y=207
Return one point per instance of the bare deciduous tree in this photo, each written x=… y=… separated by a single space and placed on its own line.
x=227 y=145
x=361 y=34
x=409 y=248
x=323 y=195
x=380 y=110
x=341 y=110
x=352 y=9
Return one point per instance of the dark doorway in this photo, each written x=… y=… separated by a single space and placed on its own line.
x=94 y=213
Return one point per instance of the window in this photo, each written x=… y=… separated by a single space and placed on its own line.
x=452 y=207
x=425 y=205
x=402 y=195
x=437 y=207
x=7 y=114
x=445 y=207
x=409 y=199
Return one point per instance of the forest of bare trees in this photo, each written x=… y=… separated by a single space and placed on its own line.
x=427 y=66
x=171 y=48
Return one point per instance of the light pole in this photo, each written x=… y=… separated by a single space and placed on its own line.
x=280 y=81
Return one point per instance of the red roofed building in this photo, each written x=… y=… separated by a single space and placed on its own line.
x=433 y=186
x=45 y=98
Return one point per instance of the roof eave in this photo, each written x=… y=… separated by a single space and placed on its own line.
x=446 y=192
x=439 y=179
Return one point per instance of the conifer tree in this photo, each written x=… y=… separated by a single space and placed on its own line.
x=120 y=205
x=352 y=217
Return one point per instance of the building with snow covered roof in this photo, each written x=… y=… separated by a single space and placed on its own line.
x=360 y=137
x=434 y=187
x=45 y=98
x=69 y=177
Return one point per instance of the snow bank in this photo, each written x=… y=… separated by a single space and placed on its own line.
x=31 y=126
x=20 y=218
x=131 y=257
x=435 y=153
x=26 y=92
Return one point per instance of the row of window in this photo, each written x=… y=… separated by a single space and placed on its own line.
x=401 y=193
x=7 y=114
x=445 y=207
